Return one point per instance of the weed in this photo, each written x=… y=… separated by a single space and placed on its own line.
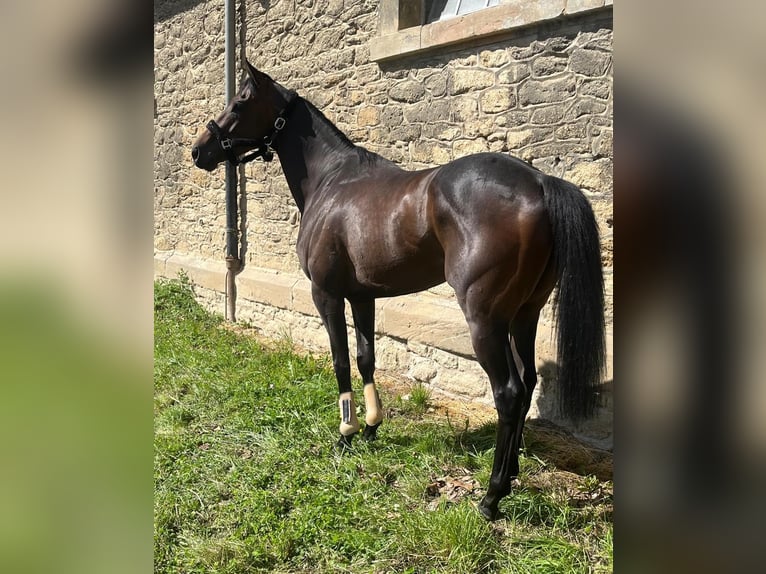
x=420 y=398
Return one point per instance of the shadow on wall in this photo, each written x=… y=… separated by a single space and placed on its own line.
x=546 y=396
x=164 y=9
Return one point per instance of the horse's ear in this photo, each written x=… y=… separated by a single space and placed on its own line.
x=251 y=71
x=259 y=78
x=256 y=75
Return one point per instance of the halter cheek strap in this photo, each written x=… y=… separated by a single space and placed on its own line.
x=264 y=148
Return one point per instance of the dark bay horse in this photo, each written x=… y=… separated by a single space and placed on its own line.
x=500 y=232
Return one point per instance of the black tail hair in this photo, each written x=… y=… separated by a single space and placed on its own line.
x=579 y=300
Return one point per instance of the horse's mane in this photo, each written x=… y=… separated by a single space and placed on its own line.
x=339 y=140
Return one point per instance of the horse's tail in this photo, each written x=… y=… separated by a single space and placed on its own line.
x=579 y=300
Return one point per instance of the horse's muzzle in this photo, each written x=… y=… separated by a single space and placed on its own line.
x=203 y=159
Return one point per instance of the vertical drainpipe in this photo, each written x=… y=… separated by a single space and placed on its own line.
x=233 y=264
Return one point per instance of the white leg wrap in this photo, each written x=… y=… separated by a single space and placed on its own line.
x=349 y=424
x=372 y=405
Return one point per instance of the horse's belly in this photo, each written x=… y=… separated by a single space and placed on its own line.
x=392 y=276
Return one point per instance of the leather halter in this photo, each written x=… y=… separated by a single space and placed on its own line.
x=264 y=148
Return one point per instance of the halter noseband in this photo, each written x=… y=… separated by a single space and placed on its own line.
x=264 y=148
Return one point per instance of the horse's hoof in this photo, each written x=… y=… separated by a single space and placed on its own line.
x=344 y=443
x=489 y=513
x=370 y=432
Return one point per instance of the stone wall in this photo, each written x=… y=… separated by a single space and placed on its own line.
x=543 y=93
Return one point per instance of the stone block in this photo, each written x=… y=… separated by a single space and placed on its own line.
x=527 y=52
x=405 y=133
x=494 y=58
x=481 y=127
x=547 y=9
x=547 y=115
x=468 y=381
x=329 y=39
x=575 y=6
x=573 y=130
x=584 y=107
x=517 y=139
x=544 y=66
x=441 y=131
x=368 y=116
x=600 y=88
x=497 y=100
x=203 y=272
x=603 y=144
x=591 y=63
x=436 y=111
x=429 y=152
x=513 y=73
x=391 y=116
x=264 y=286
x=302 y=301
x=592 y=175
x=464 y=80
x=436 y=85
x=533 y=92
x=407 y=91
x=554 y=149
x=420 y=319
x=423 y=371
x=384 y=47
x=391 y=354
x=464 y=109
x=465 y=147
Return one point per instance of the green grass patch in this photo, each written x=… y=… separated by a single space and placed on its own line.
x=247 y=478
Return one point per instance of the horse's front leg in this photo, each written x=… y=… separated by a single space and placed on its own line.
x=332 y=311
x=364 y=323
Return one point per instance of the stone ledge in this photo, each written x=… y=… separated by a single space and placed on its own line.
x=425 y=318
x=501 y=20
x=422 y=318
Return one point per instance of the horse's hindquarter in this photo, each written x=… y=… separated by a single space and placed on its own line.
x=372 y=237
x=489 y=216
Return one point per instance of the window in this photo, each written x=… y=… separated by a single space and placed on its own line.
x=408 y=27
x=437 y=10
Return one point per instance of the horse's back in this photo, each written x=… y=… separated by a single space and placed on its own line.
x=489 y=176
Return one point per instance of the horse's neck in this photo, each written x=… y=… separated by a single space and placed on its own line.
x=310 y=149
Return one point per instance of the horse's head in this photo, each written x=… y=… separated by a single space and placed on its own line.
x=249 y=123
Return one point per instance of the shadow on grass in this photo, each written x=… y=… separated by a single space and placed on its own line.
x=546 y=441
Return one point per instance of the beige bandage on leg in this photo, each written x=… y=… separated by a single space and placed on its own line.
x=349 y=424
x=374 y=410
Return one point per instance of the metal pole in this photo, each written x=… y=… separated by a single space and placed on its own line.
x=233 y=263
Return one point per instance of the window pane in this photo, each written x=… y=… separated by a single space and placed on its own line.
x=467 y=6
x=443 y=9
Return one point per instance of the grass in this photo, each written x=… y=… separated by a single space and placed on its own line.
x=247 y=479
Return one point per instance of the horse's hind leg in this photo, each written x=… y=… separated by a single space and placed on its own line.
x=364 y=323
x=332 y=311
x=492 y=345
x=523 y=334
